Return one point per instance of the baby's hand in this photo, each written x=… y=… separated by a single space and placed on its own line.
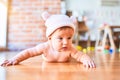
x=89 y=64
x=9 y=62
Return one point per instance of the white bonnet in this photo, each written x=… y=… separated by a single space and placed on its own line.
x=53 y=22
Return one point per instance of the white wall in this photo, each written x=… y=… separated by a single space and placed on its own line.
x=96 y=13
x=93 y=9
x=82 y=4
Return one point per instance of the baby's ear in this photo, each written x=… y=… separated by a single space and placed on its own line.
x=45 y=15
x=73 y=19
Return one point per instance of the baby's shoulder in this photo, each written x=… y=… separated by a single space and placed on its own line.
x=44 y=45
x=73 y=49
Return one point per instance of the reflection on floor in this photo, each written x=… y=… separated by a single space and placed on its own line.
x=108 y=68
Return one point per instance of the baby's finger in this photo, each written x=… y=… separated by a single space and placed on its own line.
x=14 y=62
x=9 y=63
x=93 y=65
x=3 y=64
x=6 y=61
x=90 y=64
x=86 y=64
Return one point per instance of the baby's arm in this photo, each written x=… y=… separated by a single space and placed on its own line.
x=23 y=55
x=84 y=58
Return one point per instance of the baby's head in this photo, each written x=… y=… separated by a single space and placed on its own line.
x=57 y=21
x=60 y=30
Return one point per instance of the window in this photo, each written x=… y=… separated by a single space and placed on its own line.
x=3 y=22
x=110 y=2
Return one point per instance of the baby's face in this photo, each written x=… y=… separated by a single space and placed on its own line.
x=61 y=39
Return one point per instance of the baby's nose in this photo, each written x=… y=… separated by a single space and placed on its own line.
x=65 y=41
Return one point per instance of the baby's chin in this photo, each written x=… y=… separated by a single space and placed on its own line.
x=63 y=49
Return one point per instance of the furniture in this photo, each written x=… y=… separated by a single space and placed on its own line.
x=81 y=30
x=108 y=36
x=116 y=35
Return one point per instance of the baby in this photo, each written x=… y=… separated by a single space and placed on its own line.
x=59 y=47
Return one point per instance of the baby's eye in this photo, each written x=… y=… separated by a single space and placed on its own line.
x=60 y=38
x=69 y=37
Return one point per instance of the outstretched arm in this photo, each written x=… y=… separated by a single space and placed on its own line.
x=84 y=58
x=25 y=54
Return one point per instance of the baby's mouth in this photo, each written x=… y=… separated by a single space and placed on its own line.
x=64 y=48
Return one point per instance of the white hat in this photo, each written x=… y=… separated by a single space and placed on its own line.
x=53 y=22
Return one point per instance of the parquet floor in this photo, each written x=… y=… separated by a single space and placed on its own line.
x=108 y=68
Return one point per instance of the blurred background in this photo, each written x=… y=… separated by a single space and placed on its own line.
x=21 y=25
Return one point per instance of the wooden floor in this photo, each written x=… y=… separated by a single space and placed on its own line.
x=108 y=68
